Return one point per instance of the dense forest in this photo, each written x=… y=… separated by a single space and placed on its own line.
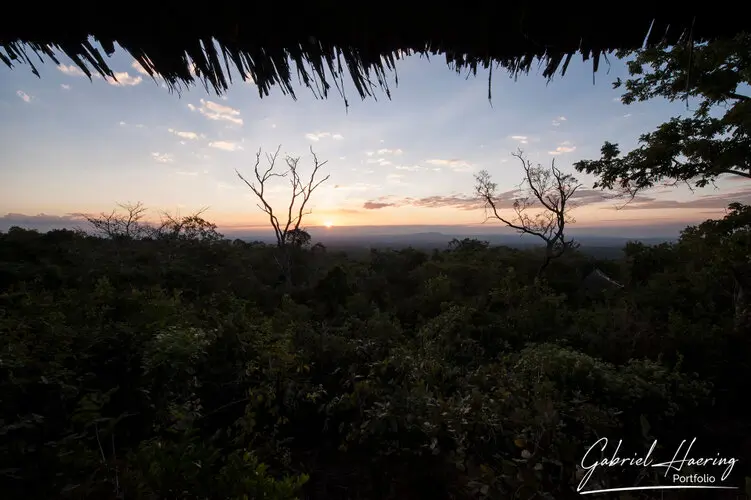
x=183 y=365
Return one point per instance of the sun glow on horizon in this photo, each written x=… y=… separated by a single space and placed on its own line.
x=328 y=224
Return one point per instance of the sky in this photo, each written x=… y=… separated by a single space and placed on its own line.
x=69 y=145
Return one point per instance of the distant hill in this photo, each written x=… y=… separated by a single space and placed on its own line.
x=599 y=246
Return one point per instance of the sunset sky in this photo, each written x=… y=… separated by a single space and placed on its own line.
x=68 y=145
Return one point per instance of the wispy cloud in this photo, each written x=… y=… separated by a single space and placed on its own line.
x=412 y=168
x=70 y=70
x=41 y=222
x=225 y=145
x=711 y=201
x=216 y=111
x=564 y=147
x=389 y=152
x=317 y=136
x=24 y=96
x=522 y=139
x=379 y=161
x=558 y=121
x=377 y=205
x=185 y=135
x=181 y=172
x=140 y=69
x=163 y=157
x=123 y=79
x=65 y=86
x=454 y=164
x=503 y=201
x=358 y=186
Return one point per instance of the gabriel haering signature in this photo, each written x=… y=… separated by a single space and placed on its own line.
x=680 y=481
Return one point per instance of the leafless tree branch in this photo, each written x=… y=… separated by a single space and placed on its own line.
x=547 y=189
x=287 y=231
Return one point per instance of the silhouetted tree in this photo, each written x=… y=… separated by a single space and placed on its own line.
x=126 y=223
x=191 y=227
x=468 y=245
x=287 y=229
x=548 y=189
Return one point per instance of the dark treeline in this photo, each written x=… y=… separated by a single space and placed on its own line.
x=188 y=366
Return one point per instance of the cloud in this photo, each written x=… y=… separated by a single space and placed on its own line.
x=460 y=202
x=220 y=112
x=376 y=205
x=24 y=96
x=389 y=152
x=520 y=138
x=711 y=201
x=317 y=136
x=123 y=79
x=454 y=164
x=180 y=172
x=163 y=157
x=140 y=69
x=225 y=145
x=380 y=161
x=558 y=121
x=71 y=70
x=564 y=147
x=65 y=86
x=358 y=186
x=627 y=115
x=454 y=201
x=41 y=222
x=185 y=135
x=412 y=168
x=504 y=200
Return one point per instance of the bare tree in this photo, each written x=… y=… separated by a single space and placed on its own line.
x=128 y=224
x=287 y=228
x=544 y=209
x=190 y=227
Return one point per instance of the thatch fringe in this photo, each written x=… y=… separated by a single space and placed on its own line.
x=321 y=41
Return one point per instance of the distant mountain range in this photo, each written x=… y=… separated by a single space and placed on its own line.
x=594 y=244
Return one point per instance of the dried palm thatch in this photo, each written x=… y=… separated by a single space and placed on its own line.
x=323 y=40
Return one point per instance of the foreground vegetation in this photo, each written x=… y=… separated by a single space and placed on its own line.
x=182 y=365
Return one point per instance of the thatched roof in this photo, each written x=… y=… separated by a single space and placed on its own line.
x=271 y=41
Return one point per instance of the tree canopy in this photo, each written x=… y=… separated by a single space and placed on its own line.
x=714 y=140
x=185 y=367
